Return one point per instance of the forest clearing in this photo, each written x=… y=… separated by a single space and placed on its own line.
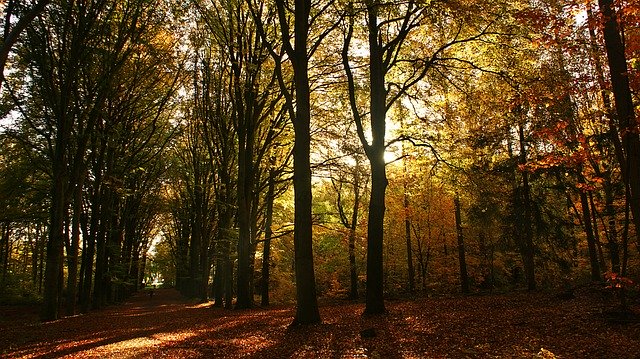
x=516 y=325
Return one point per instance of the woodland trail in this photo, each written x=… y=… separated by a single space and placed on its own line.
x=515 y=325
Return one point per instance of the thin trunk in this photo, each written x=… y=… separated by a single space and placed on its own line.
x=591 y=242
x=353 y=271
x=35 y=258
x=228 y=282
x=596 y=232
x=612 y=233
x=407 y=231
x=625 y=236
x=464 y=276
x=528 y=249
x=266 y=248
x=205 y=263
x=6 y=250
x=218 y=278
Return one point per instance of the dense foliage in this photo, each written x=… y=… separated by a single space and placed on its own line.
x=295 y=150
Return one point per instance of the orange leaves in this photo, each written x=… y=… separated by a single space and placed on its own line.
x=615 y=280
x=559 y=148
x=505 y=326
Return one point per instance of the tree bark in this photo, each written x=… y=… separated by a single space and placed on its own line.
x=407 y=235
x=591 y=242
x=528 y=249
x=266 y=248
x=464 y=276
x=55 y=244
x=307 y=311
x=353 y=272
x=375 y=154
x=624 y=106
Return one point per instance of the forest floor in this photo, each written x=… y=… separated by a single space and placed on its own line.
x=515 y=325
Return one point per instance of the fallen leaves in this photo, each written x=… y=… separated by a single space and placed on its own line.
x=496 y=326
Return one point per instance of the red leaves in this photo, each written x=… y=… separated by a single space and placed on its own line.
x=615 y=280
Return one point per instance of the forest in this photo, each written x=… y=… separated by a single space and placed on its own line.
x=285 y=152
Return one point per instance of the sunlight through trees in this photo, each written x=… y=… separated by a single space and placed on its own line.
x=286 y=151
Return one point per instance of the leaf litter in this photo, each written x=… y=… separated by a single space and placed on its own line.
x=514 y=325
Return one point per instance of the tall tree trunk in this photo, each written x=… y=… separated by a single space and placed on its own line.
x=6 y=249
x=268 y=233
x=407 y=236
x=596 y=233
x=205 y=263
x=353 y=271
x=91 y=233
x=464 y=276
x=591 y=242
x=72 y=256
x=307 y=311
x=612 y=233
x=244 y=299
x=35 y=255
x=618 y=72
x=53 y=270
x=375 y=154
x=528 y=249
x=218 y=277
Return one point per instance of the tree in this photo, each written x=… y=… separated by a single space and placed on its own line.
x=299 y=109
x=625 y=112
x=12 y=30
x=383 y=54
x=464 y=276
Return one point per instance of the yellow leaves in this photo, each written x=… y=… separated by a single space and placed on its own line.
x=545 y=354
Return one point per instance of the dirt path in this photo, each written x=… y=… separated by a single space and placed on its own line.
x=167 y=326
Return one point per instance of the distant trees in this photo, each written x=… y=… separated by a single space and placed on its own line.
x=82 y=91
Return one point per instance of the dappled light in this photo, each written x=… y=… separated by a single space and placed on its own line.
x=172 y=327
x=320 y=179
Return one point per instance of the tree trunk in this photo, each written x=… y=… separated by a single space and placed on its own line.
x=53 y=270
x=266 y=248
x=218 y=278
x=612 y=233
x=464 y=277
x=375 y=154
x=244 y=299
x=5 y=230
x=353 y=271
x=528 y=250
x=205 y=263
x=591 y=242
x=624 y=107
x=407 y=234
x=72 y=257
x=596 y=233
x=307 y=303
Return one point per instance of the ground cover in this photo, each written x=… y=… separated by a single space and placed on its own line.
x=511 y=325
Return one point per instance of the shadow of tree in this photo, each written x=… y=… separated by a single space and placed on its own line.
x=170 y=326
